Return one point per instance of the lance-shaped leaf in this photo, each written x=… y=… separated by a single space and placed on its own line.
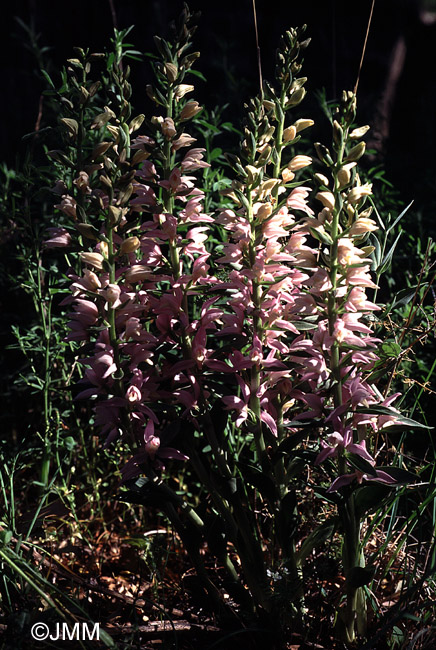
x=318 y=536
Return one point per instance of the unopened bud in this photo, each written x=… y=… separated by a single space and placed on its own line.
x=302 y=124
x=357 y=193
x=114 y=131
x=114 y=214
x=268 y=104
x=190 y=109
x=182 y=89
x=104 y=248
x=338 y=133
x=323 y=154
x=171 y=72
x=94 y=259
x=130 y=245
x=299 y=162
x=264 y=211
x=112 y=293
x=296 y=97
x=287 y=175
x=327 y=199
x=359 y=133
x=252 y=174
x=264 y=156
x=168 y=128
x=289 y=134
x=100 y=149
x=137 y=273
x=136 y=123
x=356 y=152
x=344 y=174
x=88 y=231
x=92 y=280
x=152 y=445
x=322 y=180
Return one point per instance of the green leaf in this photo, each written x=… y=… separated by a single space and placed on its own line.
x=404 y=296
x=5 y=537
x=262 y=482
x=48 y=79
x=400 y=216
x=360 y=464
x=107 y=639
x=400 y=475
x=378 y=409
x=318 y=536
x=370 y=497
x=290 y=442
x=360 y=576
x=388 y=257
x=198 y=74
x=390 y=349
x=303 y=326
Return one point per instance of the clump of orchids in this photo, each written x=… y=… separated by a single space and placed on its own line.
x=248 y=358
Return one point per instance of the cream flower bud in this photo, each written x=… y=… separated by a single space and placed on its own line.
x=344 y=174
x=322 y=180
x=137 y=273
x=266 y=187
x=92 y=280
x=252 y=174
x=190 y=109
x=289 y=134
x=112 y=293
x=171 y=72
x=287 y=175
x=182 y=89
x=367 y=212
x=327 y=199
x=357 y=193
x=356 y=152
x=362 y=226
x=114 y=214
x=359 y=133
x=168 y=128
x=299 y=162
x=300 y=125
x=264 y=211
x=268 y=104
x=130 y=245
x=104 y=249
x=94 y=259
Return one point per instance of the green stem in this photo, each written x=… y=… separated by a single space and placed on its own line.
x=257 y=331
x=351 y=556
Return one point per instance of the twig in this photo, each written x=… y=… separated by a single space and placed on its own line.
x=114 y=14
x=364 y=46
x=259 y=62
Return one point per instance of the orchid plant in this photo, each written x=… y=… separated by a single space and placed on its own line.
x=249 y=360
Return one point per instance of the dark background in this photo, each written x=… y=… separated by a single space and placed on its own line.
x=397 y=90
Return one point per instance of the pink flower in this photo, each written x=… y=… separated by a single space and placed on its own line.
x=194 y=160
x=58 y=238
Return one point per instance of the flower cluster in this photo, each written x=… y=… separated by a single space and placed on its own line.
x=272 y=327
